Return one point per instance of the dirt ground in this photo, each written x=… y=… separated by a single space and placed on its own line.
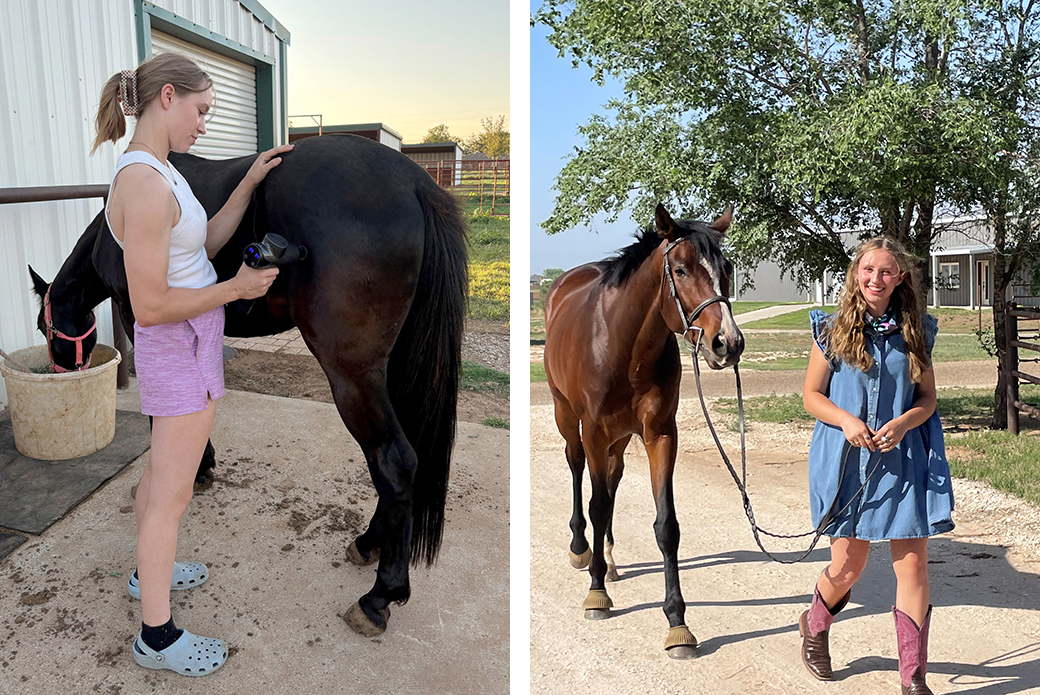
x=300 y=376
x=985 y=575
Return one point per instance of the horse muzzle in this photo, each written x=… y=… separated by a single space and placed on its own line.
x=724 y=350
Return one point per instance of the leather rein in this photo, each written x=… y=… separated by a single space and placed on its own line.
x=53 y=332
x=741 y=480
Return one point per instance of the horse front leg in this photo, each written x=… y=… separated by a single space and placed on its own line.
x=568 y=424
x=661 y=450
x=364 y=550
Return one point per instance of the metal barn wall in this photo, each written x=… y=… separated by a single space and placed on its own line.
x=55 y=55
x=770 y=285
x=231 y=125
x=962 y=295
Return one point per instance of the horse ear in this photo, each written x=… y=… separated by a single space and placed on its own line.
x=664 y=222
x=39 y=284
x=722 y=224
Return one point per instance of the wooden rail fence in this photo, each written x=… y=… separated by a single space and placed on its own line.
x=1018 y=339
x=482 y=185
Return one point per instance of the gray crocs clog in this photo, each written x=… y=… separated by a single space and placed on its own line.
x=190 y=655
x=186 y=575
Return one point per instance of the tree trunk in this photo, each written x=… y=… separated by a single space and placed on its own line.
x=1001 y=280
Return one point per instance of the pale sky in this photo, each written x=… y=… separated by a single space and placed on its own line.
x=409 y=64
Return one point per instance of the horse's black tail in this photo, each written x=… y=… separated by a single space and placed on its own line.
x=424 y=367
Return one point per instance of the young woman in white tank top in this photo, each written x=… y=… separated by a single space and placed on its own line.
x=167 y=243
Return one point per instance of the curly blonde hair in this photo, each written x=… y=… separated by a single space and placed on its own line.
x=843 y=334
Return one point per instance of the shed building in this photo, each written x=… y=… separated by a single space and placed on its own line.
x=54 y=59
x=373 y=131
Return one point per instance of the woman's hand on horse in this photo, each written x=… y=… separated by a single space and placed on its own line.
x=254 y=282
x=857 y=433
x=889 y=435
x=264 y=162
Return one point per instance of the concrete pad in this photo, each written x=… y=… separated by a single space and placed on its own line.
x=292 y=491
x=769 y=312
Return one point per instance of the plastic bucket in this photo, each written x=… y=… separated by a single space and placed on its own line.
x=62 y=416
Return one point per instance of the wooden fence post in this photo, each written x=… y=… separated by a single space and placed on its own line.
x=1011 y=368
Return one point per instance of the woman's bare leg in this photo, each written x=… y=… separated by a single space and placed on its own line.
x=162 y=497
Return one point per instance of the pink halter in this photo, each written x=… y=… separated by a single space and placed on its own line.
x=52 y=332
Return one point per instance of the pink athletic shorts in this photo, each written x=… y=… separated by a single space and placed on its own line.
x=180 y=364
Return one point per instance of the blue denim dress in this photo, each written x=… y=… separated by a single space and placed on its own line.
x=908 y=494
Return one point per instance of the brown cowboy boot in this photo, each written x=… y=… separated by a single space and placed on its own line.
x=913 y=652
x=814 y=627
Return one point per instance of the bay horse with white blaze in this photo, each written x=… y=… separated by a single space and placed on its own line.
x=380 y=301
x=612 y=363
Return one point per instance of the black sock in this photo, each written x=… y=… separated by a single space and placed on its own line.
x=161 y=636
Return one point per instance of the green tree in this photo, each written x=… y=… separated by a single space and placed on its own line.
x=493 y=138
x=439 y=133
x=814 y=117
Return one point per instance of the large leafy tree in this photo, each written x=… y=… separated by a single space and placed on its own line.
x=440 y=133
x=493 y=138
x=813 y=116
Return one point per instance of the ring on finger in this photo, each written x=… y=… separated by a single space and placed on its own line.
x=884 y=438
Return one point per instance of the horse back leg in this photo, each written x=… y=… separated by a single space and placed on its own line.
x=615 y=469
x=597 y=604
x=364 y=405
x=661 y=450
x=570 y=428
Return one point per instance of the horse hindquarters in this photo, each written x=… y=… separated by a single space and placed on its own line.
x=401 y=407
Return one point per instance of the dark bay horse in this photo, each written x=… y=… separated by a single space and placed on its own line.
x=380 y=301
x=613 y=368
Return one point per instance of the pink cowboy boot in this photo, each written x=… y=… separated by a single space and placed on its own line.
x=913 y=652
x=814 y=627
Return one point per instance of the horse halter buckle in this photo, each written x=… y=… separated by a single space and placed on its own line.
x=687 y=320
x=53 y=332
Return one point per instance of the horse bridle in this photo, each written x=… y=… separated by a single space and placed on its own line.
x=53 y=332
x=687 y=320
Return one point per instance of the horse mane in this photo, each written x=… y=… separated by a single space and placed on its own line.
x=617 y=269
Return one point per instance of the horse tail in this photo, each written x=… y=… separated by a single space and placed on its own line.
x=425 y=363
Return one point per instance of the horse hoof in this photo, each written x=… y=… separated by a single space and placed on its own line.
x=355 y=556
x=682 y=652
x=359 y=622
x=597 y=605
x=612 y=573
x=580 y=562
x=680 y=643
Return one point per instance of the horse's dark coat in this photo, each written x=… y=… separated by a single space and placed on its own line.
x=379 y=300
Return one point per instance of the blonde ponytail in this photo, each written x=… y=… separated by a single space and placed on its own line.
x=136 y=89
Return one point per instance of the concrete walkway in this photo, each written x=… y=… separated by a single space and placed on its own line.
x=769 y=312
x=292 y=490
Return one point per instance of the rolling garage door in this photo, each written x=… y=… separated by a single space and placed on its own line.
x=231 y=126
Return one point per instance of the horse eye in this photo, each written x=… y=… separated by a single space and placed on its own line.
x=680 y=272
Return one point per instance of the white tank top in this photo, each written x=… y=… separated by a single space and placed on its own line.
x=189 y=266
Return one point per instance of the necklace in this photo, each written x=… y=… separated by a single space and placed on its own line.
x=153 y=153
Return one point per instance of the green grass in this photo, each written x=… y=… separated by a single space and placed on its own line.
x=1006 y=462
x=476 y=377
x=496 y=422
x=791 y=320
x=787 y=351
x=537 y=372
x=489 y=238
x=489 y=243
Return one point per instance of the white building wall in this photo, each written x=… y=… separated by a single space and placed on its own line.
x=55 y=55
